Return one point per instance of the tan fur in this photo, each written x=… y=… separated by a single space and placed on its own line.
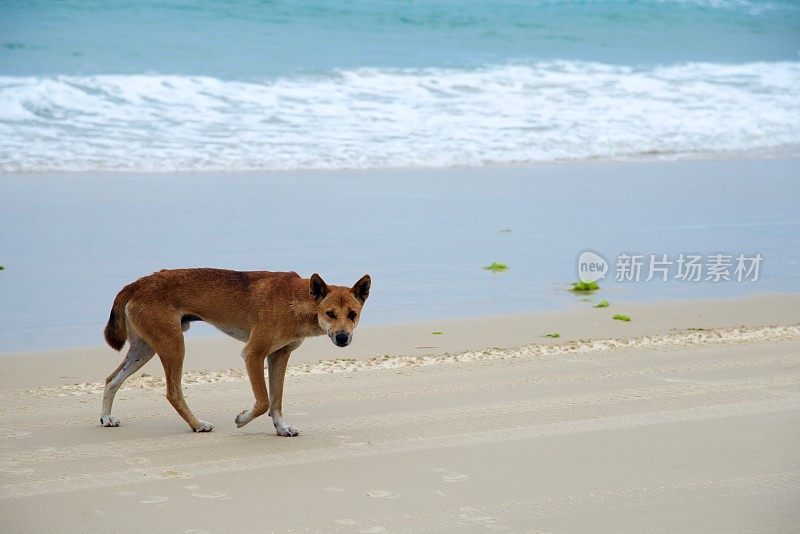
x=272 y=312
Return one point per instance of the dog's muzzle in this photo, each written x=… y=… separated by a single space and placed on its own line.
x=341 y=339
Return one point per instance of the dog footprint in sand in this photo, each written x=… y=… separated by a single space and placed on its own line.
x=149 y=499
x=203 y=495
x=376 y=529
x=450 y=476
x=155 y=499
x=218 y=495
x=136 y=460
x=473 y=515
x=383 y=494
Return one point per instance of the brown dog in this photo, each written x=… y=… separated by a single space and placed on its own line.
x=271 y=312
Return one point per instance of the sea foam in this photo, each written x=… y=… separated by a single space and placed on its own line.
x=374 y=118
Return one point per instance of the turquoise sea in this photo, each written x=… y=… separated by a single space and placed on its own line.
x=321 y=84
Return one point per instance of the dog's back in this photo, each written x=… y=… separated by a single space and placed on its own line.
x=213 y=295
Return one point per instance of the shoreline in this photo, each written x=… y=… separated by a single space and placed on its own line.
x=581 y=322
x=699 y=337
x=787 y=153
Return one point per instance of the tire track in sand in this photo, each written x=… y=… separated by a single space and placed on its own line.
x=462 y=439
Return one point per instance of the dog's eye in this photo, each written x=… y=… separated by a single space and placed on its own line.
x=351 y=315
x=330 y=314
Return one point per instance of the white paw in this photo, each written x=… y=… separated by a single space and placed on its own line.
x=243 y=418
x=109 y=420
x=204 y=426
x=285 y=430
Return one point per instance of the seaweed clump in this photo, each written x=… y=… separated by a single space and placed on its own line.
x=496 y=267
x=584 y=286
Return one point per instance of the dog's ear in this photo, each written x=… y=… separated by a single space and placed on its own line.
x=361 y=288
x=318 y=288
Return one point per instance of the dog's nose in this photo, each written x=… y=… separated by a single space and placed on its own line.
x=342 y=339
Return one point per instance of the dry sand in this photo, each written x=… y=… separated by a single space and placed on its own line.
x=686 y=418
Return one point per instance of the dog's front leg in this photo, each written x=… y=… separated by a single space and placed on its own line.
x=254 y=354
x=277 y=362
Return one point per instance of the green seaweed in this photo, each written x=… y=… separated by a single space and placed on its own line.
x=505 y=231
x=602 y=304
x=496 y=267
x=2 y=268
x=621 y=317
x=437 y=333
x=581 y=287
x=554 y=335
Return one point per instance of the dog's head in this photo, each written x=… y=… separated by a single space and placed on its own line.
x=339 y=308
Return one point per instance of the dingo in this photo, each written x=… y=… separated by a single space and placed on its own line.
x=271 y=312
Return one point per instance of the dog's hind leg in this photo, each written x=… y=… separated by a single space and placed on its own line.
x=171 y=351
x=139 y=353
x=162 y=331
x=172 y=360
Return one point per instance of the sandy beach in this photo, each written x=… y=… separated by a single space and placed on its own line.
x=686 y=418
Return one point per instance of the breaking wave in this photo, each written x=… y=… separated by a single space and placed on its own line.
x=374 y=118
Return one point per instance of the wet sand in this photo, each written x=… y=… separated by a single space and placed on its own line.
x=423 y=234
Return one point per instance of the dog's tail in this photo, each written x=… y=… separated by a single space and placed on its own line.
x=116 y=332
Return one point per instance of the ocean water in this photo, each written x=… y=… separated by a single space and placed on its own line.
x=271 y=85
x=71 y=242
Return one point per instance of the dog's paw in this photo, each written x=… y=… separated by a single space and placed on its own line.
x=109 y=420
x=243 y=418
x=285 y=430
x=203 y=426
